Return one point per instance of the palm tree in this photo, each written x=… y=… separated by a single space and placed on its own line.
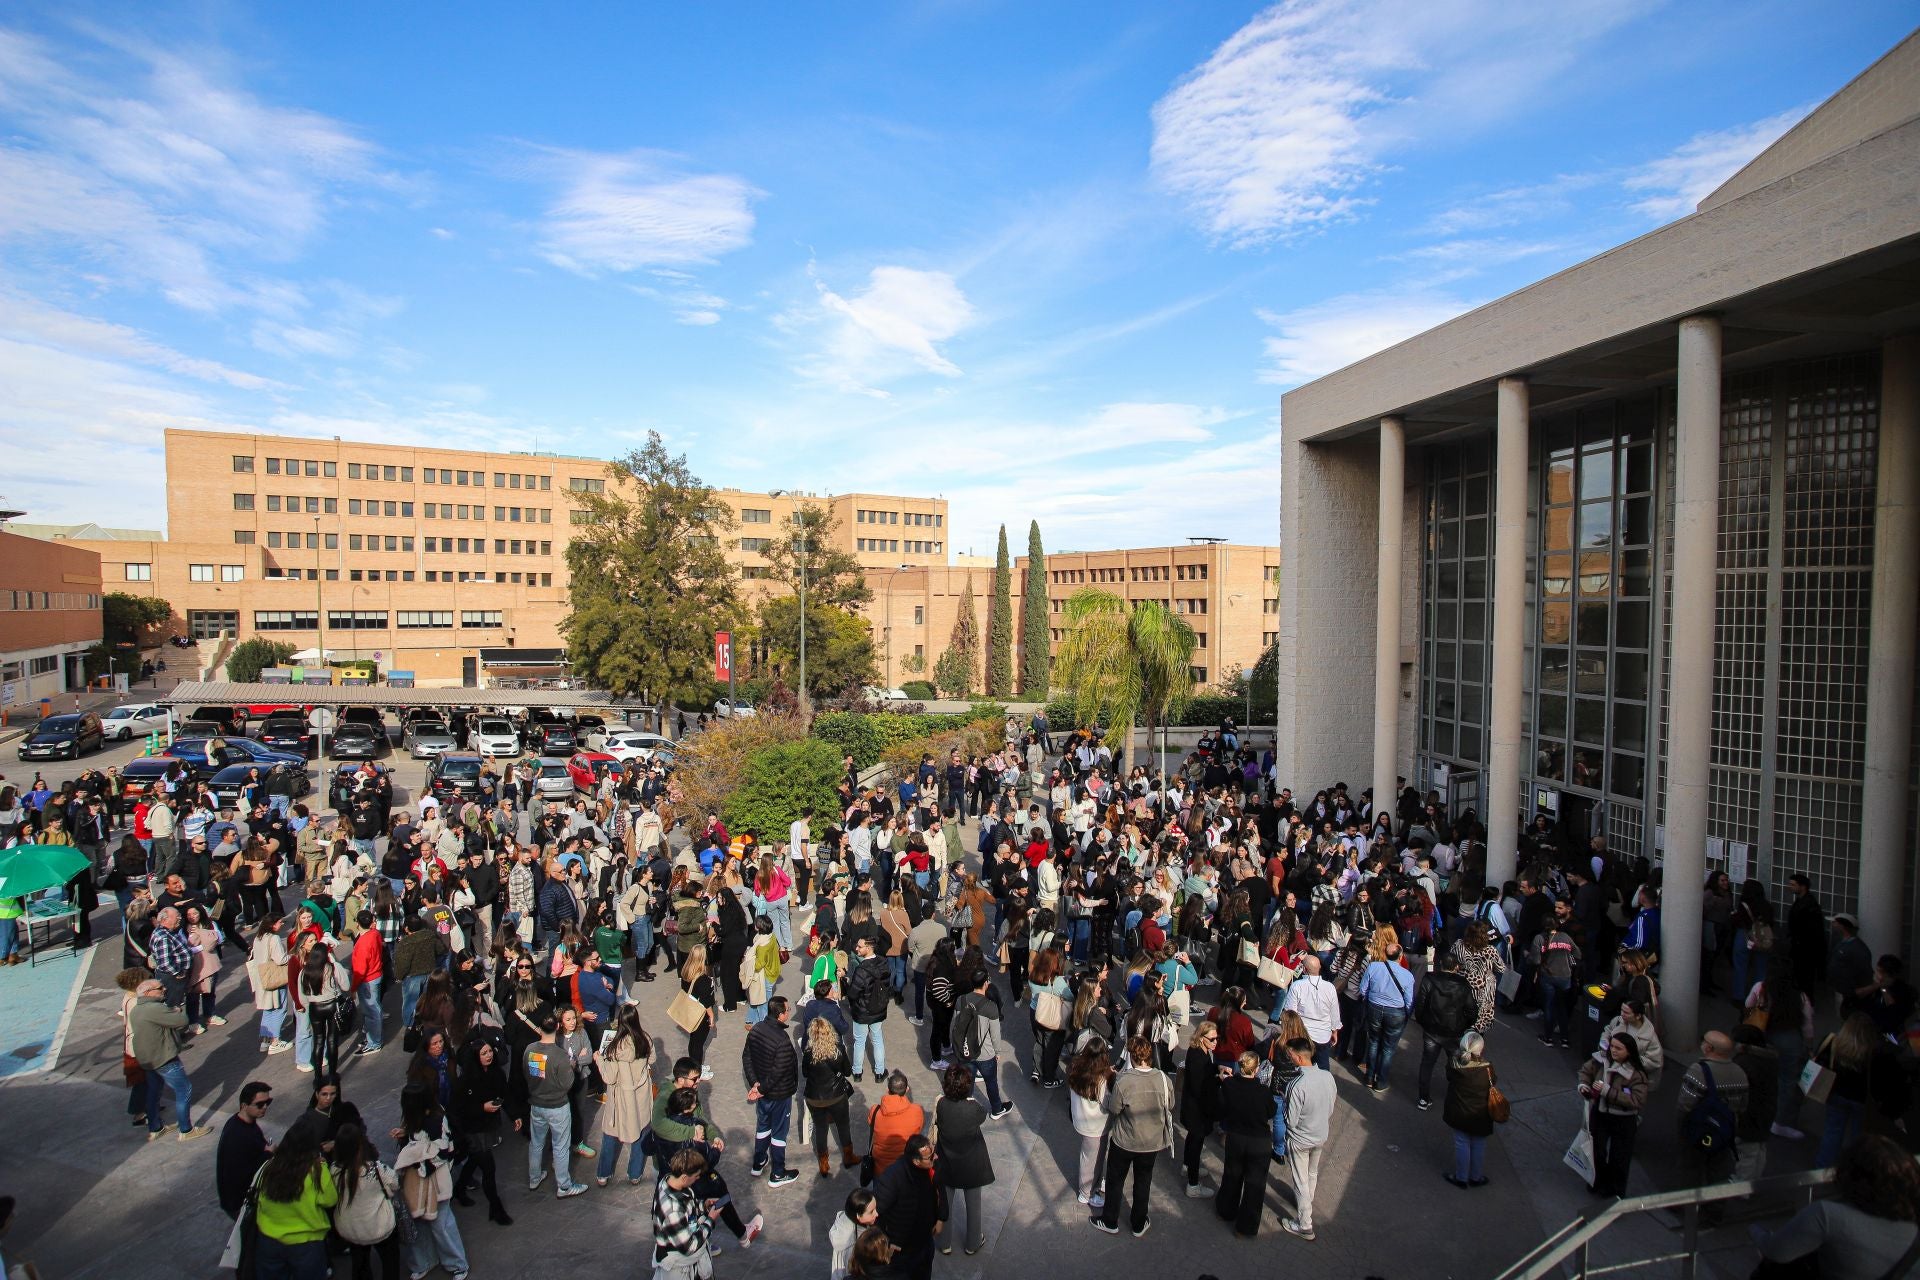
x=1124 y=662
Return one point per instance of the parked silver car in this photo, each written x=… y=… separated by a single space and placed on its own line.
x=552 y=779
x=425 y=739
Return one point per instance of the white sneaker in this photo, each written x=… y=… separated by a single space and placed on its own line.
x=279 y=1046
x=706 y=1073
x=754 y=1227
x=305 y=1068
x=1198 y=1190
x=217 y=1020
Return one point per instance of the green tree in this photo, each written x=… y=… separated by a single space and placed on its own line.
x=1000 y=625
x=650 y=580
x=839 y=644
x=1036 y=655
x=250 y=657
x=1125 y=663
x=780 y=783
x=955 y=672
x=124 y=619
x=833 y=577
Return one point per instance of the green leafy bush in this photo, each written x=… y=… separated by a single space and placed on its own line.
x=919 y=690
x=1206 y=709
x=779 y=783
x=868 y=737
x=250 y=657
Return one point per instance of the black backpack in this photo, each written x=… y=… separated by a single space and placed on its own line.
x=1711 y=1126
x=965 y=1030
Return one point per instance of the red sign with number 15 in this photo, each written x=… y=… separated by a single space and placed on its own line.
x=722 y=655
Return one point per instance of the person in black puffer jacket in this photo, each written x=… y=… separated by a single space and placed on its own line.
x=772 y=1070
x=481 y=1107
x=1444 y=1007
x=869 y=991
x=823 y=1061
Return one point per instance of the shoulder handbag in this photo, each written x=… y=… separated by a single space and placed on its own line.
x=418 y=1192
x=243 y=1242
x=1180 y=1006
x=1249 y=952
x=867 y=1170
x=1050 y=1011
x=1816 y=1078
x=273 y=977
x=1273 y=973
x=686 y=1012
x=1498 y=1108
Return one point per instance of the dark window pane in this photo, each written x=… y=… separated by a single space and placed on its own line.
x=1475 y=495
x=1553 y=717
x=1472 y=697
x=1473 y=662
x=1630 y=624
x=1473 y=581
x=1636 y=573
x=1590 y=720
x=1629 y=775
x=1473 y=622
x=1590 y=673
x=1446 y=622
x=1444 y=703
x=1553 y=671
x=1593 y=625
x=1636 y=469
x=1443 y=737
x=1584 y=769
x=1630 y=675
x=1447 y=580
x=1443 y=661
x=1549 y=760
x=1447 y=540
x=1447 y=495
x=1468 y=747
x=1476 y=541
x=1636 y=521
x=1630 y=726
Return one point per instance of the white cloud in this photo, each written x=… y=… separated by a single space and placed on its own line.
x=30 y=321
x=159 y=174
x=641 y=209
x=1332 y=334
x=1674 y=184
x=1280 y=129
x=441 y=233
x=891 y=328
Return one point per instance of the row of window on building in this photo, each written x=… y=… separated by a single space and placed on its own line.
x=1182 y=604
x=361 y=620
x=909 y=546
x=1134 y=573
x=274 y=573
x=43 y=666
x=244 y=464
x=39 y=601
x=923 y=519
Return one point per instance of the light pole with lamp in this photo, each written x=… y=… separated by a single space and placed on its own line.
x=800 y=523
x=886 y=607
x=319 y=609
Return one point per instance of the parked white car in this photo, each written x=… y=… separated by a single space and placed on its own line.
x=136 y=719
x=724 y=709
x=495 y=736
x=876 y=694
x=628 y=744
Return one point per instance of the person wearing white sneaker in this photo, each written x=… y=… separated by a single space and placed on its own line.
x=549 y=1071
x=682 y=1223
x=1140 y=1101
x=428 y=1152
x=1309 y=1121
x=155 y=1030
x=1088 y=1077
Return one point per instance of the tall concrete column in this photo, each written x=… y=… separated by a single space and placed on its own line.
x=1386 y=643
x=1502 y=805
x=1696 y=520
x=1891 y=648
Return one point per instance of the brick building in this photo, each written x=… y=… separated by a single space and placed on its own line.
x=49 y=617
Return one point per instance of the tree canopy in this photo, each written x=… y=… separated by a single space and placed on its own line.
x=1124 y=663
x=833 y=576
x=1000 y=625
x=1036 y=654
x=650 y=580
x=250 y=657
x=957 y=669
x=124 y=618
x=839 y=644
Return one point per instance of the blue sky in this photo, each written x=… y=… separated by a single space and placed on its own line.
x=1052 y=261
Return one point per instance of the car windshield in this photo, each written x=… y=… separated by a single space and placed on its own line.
x=461 y=769
x=60 y=724
x=284 y=724
x=553 y=771
x=496 y=726
x=120 y=713
x=429 y=726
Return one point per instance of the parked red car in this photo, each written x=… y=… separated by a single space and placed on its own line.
x=588 y=767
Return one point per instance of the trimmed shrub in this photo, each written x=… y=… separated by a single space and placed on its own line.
x=713 y=763
x=1205 y=709
x=868 y=737
x=779 y=783
x=919 y=690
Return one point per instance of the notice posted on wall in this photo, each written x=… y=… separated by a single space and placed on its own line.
x=1737 y=858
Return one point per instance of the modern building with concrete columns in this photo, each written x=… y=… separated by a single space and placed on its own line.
x=1644 y=539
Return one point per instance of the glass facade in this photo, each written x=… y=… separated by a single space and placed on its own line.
x=1457 y=594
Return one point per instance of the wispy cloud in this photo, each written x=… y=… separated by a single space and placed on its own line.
x=640 y=209
x=1332 y=334
x=160 y=174
x=1283 y=126
x=890 y=328
x=28 y=321
x=1671 y=186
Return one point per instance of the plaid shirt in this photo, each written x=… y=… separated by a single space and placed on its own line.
x=680 y=1222
x=170 y=953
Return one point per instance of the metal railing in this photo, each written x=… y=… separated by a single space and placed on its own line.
x=1569 y=1250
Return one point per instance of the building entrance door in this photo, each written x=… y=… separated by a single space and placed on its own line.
x=470 y=673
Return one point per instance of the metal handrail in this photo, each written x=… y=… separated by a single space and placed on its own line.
x=1577 y=1237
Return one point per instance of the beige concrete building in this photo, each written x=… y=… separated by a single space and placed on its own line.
x=1227 y=593
x=447 y=563
x=1642 y=540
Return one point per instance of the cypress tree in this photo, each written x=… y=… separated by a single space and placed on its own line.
x=1000 y=626
x=1036 y=659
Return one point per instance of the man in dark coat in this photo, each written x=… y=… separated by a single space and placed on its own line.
x=913 y=1207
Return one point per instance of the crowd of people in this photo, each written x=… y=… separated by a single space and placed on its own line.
x=1188 y=954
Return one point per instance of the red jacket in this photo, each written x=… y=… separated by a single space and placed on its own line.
x=369 y=958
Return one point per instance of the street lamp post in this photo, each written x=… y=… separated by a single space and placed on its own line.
x=319 y=608
x=886 y=609
x=800 y=524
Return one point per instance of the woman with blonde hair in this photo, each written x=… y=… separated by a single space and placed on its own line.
x=826 y=1070
x=697 y=983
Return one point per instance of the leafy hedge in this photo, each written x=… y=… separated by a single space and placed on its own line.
x=919 y=690
x=867 y=737
x=779 y=783
x=1206 y=709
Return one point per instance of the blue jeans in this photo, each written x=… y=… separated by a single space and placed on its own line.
x=551 y=1126
x=282 y=805
x=1556 y=995
x=410 y=989
x=278 y=1260
x=610 y=1155
x=870 y=1037
x=897 y=966
x=1468 y=1155
x=302 y=1036
x=370 y=1014
x=781 y=914
x=1383 y=1037
x=987 y=1070
x=9 y=936
x=771 y=1116
x=1749 y=967
x=1082 y=936
x=174 y=1077
x=1280 y=1130
x=1843 y=1124
x=271 y=1020
x=438 y=1240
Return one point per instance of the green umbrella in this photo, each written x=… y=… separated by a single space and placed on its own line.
x=33 y=867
